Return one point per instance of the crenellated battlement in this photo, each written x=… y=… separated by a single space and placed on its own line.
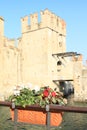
x=24 y=22
x=47 y=19
x=34 y=21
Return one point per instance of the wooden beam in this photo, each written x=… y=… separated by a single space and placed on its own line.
x=52 y=108
x=77 y=109
x=65 y=54
x=62 y=80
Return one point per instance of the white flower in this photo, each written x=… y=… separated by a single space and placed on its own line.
x=16 y=92
x=36 y=88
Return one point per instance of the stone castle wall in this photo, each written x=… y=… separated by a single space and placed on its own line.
x=32 y=61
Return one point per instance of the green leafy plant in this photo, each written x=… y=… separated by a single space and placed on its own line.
x=42 y=97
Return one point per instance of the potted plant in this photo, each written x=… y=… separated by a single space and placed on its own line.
x=41 y=97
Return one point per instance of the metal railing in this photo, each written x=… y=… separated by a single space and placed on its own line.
x=48 y=110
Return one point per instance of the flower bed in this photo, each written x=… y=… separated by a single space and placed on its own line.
x=42 y=97
x=36 y=117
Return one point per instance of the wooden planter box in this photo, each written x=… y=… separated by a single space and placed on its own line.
x=37 y=117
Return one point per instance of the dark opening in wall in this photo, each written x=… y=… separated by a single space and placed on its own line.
x=66 y=87
x=59 y=63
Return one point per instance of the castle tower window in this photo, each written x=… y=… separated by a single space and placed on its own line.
x=59 y=63
x=60 y=44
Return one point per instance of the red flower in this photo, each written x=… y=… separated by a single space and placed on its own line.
x=46 y=93
x=53 y=94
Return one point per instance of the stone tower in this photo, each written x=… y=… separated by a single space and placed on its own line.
x=39 y=41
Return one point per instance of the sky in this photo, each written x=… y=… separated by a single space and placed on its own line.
x=74 y=12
